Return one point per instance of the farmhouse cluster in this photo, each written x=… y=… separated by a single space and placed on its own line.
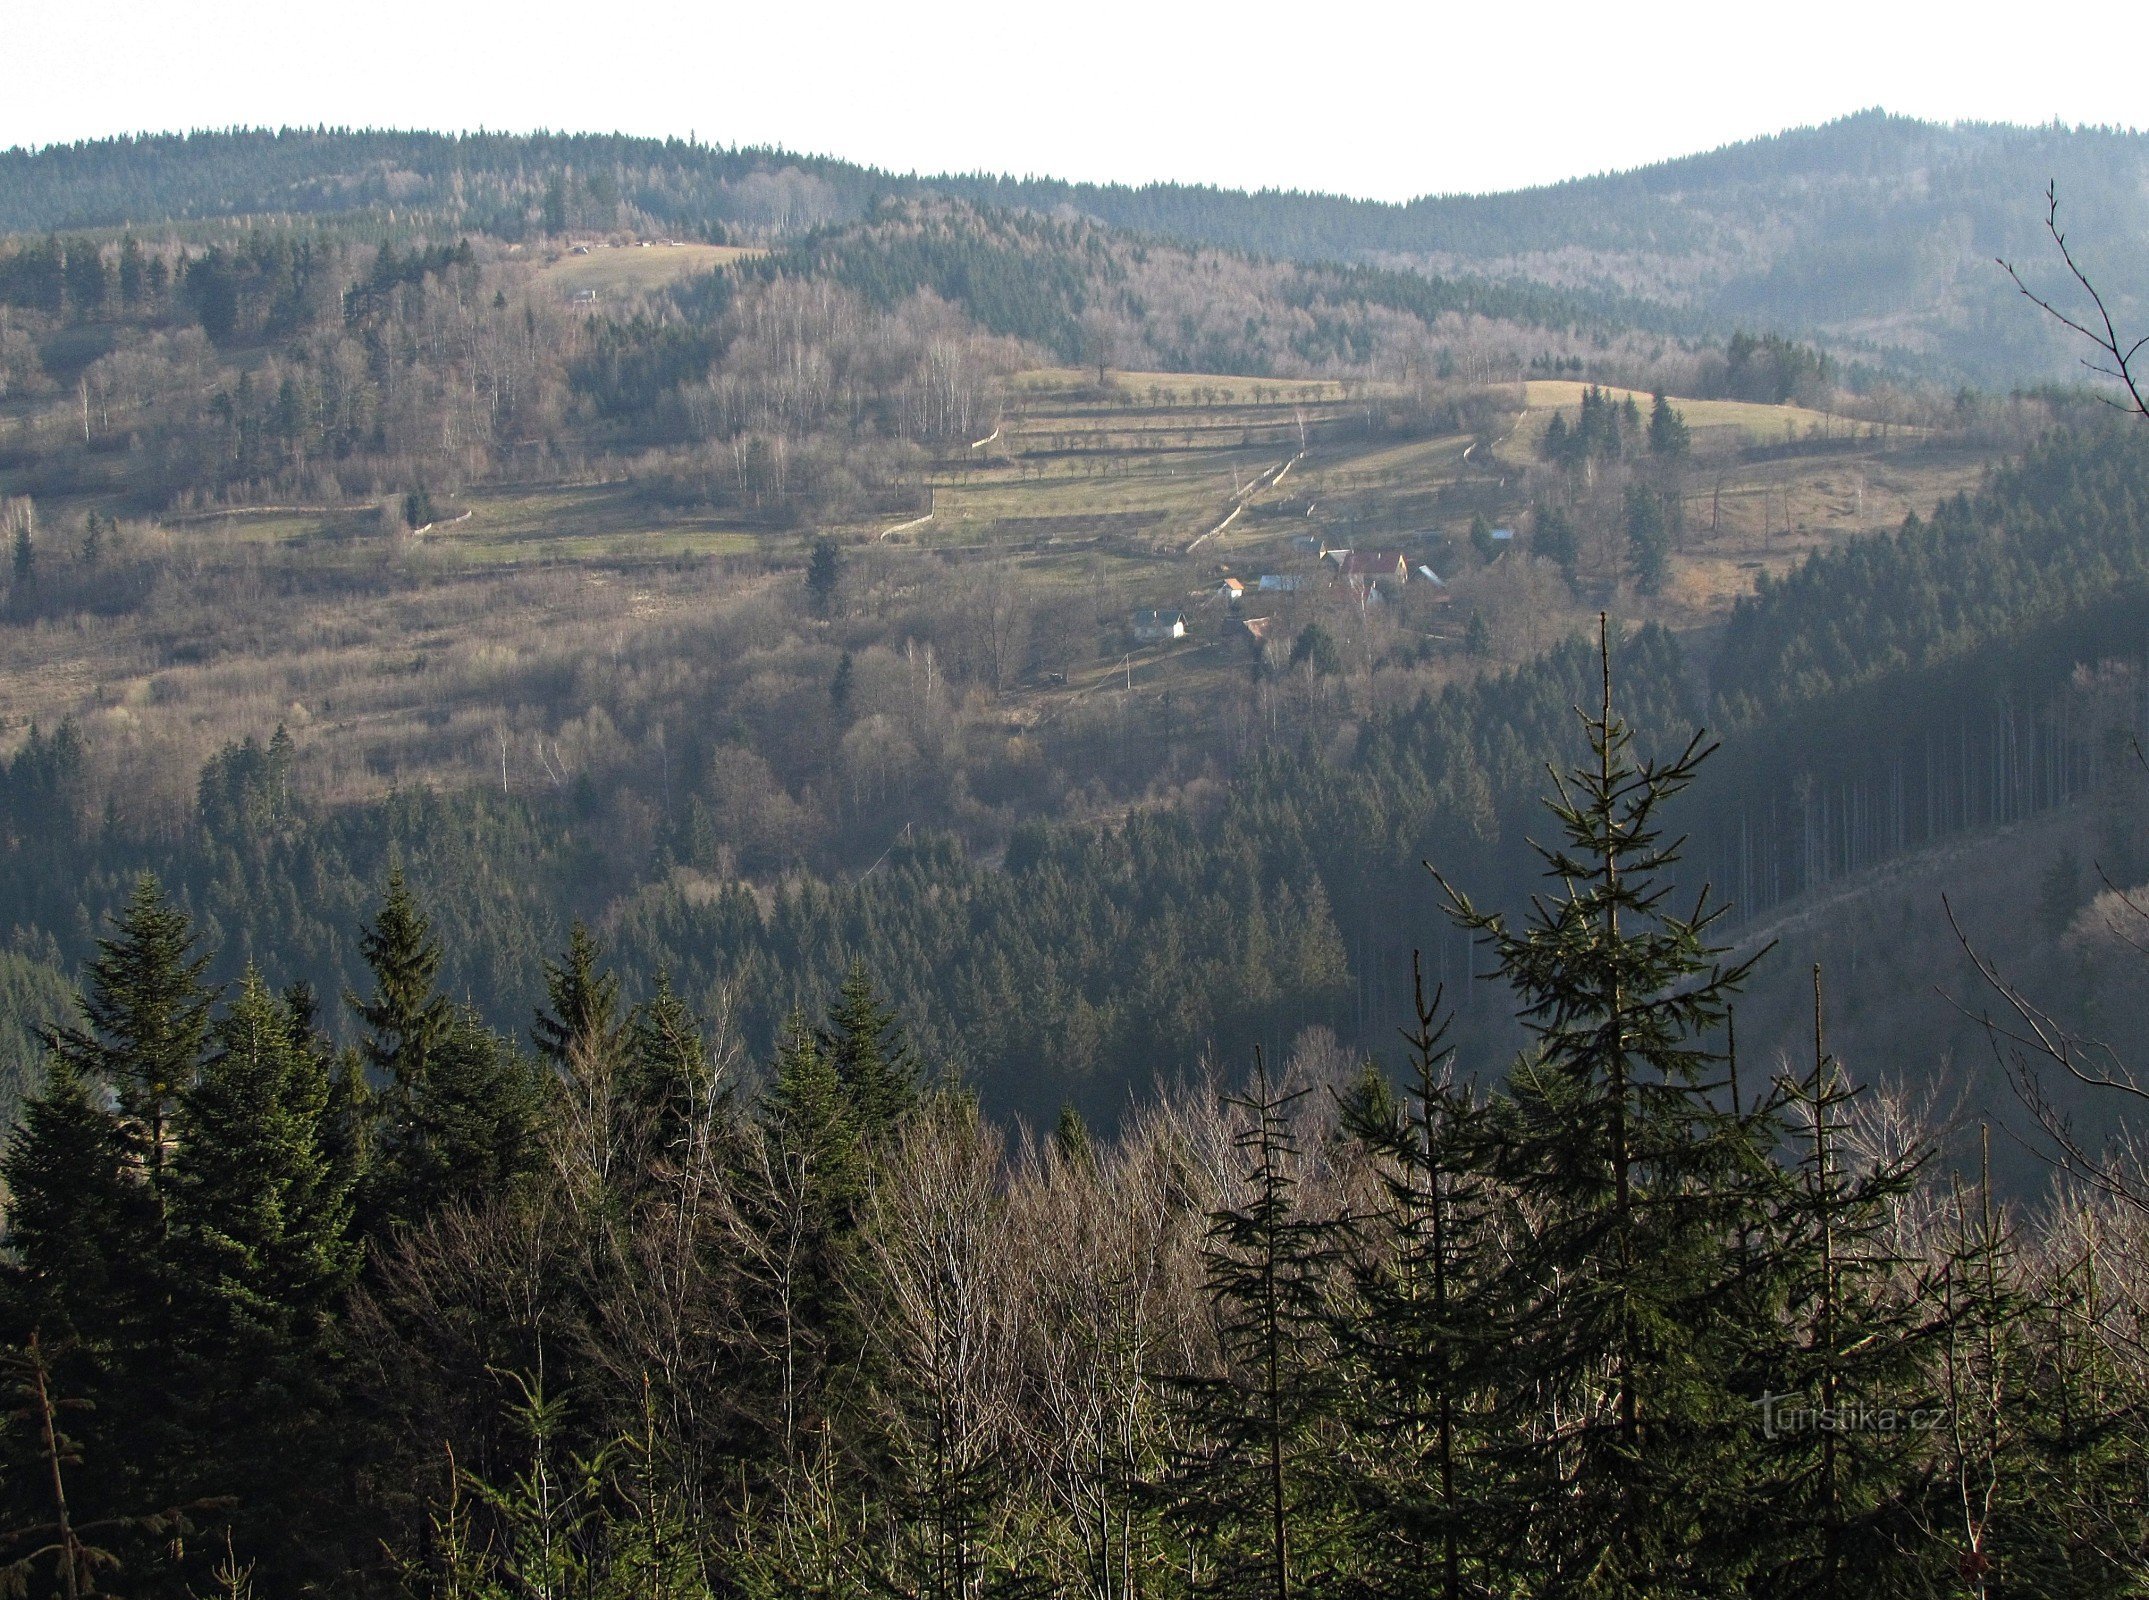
x=1244 y=605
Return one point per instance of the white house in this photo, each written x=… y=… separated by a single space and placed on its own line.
x=1153 y=627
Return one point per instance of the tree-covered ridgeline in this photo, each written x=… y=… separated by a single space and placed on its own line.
x=616 y=1314
x=1840 y=226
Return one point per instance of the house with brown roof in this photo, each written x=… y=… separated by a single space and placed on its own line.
x=1376 y=564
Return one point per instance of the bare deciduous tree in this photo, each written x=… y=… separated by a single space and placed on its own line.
x=2116 y=353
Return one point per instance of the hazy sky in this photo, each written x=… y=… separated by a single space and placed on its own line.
x=1342 y=95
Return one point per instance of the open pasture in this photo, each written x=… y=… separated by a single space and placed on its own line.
x=636 y=268
x=1719 y=423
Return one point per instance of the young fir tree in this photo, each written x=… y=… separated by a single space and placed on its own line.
x=1251 y=1484
x=1648 y=539
x=824 y=575
x=45 y=1466
x=147 y=1011
x=406 y=1015
x=1553 y=539
x=1420 y=1333
x=465 y=1129
x=83 y=1274
x=1629 y=1439
x=669 y=1074
x=584 y=999
x=1838 y=1455
x=1668 y=433
x=801 y=1199
x=263 y=1248
x=873 y=1060
x=457 y=1115
x=2076 y=1521
x=1979 y=1524
x=1482 y=543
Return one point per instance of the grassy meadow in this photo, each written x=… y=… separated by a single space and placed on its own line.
x=636 y=268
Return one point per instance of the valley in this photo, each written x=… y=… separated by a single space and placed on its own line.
x=724 y=876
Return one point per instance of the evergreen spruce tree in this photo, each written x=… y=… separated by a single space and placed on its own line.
x=801 y=1199
x=457 y=1116
x=1648 y=539
x=1977 y=1510
x=406 y=1015
x=1553 y=538
x=1071 y=1137
x=1556 y=444
x=263 y=1249
x=1252 y=1483
x=2075 y=1521
x=668 y=1067
x=1668 y=432
x=1477 y=636
x=1848 y=1329
x=584 y=997
x=1421 y=1332
x=865 y=1042
x=824 y=573
x=465 y=1129
x=1630 y=1437
x=148 y=1014
x=83 y=1272
x=79 y=1226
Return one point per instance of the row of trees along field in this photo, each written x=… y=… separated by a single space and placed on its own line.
x=1629 y=1316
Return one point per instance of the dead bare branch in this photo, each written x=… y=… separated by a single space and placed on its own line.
x=2026 y=1050
x=2118 y=362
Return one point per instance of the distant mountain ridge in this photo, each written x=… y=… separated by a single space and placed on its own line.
x=1874 y=234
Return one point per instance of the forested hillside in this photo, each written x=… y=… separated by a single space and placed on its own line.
x=430 y=1316
x=1094 y=958
x=725 y=878
x=1875 y=234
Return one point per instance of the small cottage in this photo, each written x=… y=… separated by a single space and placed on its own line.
x=1376 y=564
x=1154 y=627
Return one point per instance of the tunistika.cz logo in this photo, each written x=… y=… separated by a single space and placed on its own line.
x=1786 y=1415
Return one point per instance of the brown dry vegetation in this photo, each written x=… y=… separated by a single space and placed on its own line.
x=579 y=630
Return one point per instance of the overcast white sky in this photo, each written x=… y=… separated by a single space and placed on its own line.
x=1386 y=100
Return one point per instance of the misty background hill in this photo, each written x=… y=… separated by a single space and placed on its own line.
x=1874 y=235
